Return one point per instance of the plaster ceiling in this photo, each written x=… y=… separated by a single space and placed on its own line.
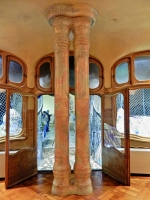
x=122 y=27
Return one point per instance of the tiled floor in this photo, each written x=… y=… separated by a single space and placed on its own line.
x=47 y=161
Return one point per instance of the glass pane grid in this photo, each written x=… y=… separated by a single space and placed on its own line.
x=139 y=105
x=2 y=110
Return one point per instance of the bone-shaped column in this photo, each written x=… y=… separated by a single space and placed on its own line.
x=78 y=18
x=82 y=167
x=61 y=170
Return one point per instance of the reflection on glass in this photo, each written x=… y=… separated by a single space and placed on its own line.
x=0 y=66
x=142 y=68
x=71 y=71
x=114 y=134
x=15 y=72
x=120 y=113
x=94 y=76
x=45 y=75
x=15 y=114
x=122 y=73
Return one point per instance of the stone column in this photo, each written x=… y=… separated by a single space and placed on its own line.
x=61 y=170
x=82 y=169
x=63 y=18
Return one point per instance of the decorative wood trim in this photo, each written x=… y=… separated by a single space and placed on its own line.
x=133 y=82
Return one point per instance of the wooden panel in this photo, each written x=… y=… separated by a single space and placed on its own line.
x=21 y=165
x=113 y=164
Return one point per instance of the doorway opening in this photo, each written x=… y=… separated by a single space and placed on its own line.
x=46 y=132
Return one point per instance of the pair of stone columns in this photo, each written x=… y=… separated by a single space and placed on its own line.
x=77 y=18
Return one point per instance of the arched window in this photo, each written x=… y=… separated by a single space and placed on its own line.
x=15 y=72
x=142 y=67
x=45 y=74
x=122 y=73
x=133 y=69
x=12 y=70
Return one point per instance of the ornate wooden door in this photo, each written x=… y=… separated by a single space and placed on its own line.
x=21 y=159
x=115 y=142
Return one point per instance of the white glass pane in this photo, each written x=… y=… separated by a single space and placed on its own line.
x=142 y=68
x=93 y=76
x=15 y=72
x=122 y=73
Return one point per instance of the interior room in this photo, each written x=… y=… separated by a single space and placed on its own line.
x=75 y=95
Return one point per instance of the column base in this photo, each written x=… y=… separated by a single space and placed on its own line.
x=81 y=186
x=61 y=184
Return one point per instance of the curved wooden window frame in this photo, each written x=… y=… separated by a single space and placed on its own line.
x=135 y=80
x=92 y=60
x=47 y=59
x=132 y=79
x=6 y=58
x=115 y=84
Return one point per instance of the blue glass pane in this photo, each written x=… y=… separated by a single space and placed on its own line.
x=142 y=68
x=122 y=73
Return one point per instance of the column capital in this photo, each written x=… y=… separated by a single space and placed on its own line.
x=72 y=11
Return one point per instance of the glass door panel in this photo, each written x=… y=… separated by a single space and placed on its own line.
x=115 y=150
